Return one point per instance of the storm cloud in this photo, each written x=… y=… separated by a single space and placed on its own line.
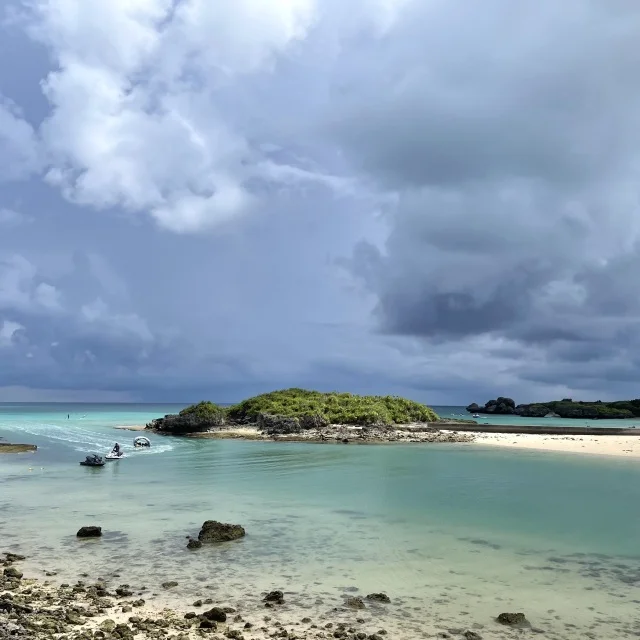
x=432 y=198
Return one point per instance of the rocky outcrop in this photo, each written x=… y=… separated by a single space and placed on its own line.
x=193 y=544
x=500 y=406
x=89 y=532
x=315 y=421
x=213 y=531
x=278 y=425
x=188 y=423
x=565 y=408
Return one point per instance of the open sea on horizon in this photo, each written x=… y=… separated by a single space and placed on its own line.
x=455 y=534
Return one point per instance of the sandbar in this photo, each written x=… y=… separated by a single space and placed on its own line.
x=620 y=446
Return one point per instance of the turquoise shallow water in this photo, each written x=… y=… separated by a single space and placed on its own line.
x=454 y=533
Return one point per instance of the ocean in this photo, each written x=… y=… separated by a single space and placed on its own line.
x=454 y=533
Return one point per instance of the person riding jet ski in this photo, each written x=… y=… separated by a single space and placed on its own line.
x=116 y=449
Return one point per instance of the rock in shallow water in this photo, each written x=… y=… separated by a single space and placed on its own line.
x=213 y=531
x=216 y=614
x=89 y=532
x=12 y=572
x=355 y=603
x=276 y=597
x=513 y=620
x=193 y=544
x=379 y=597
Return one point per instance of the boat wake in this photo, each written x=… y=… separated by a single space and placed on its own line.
x=88 y=440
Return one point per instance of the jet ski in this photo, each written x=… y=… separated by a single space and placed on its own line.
x=116 y=453
x=93 y=460
x=141 y=441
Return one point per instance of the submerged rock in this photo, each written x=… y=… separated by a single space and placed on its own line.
x=513 y=620
x=213 y=531
x=170 y=584
x=89 y=532
x=379 y=597
x=355 y=602
x=276 y=597
x=193 y=544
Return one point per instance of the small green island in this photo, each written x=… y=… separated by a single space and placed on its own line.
x=300 y=414
x=565 y=408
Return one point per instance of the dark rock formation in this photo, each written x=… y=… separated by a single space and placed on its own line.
x=193 y=544
x=12 y=572
x=187 y=423
x=513 y=620
x=565 y=408
x=278 y=425
x=355 y=602
x=276 y=597
x=169 y=584
x=378 y=597
x=501 y=406
x=315 y=421
x=213 y=531
x=216 y=614
x=89 y=532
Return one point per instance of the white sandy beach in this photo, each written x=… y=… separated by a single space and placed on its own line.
x=621 y=446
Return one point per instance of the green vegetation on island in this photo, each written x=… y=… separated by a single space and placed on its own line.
x=314 y=408
x=335 y=408
x=205 y=411
x=565 y=408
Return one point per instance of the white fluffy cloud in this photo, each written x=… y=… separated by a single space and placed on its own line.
x=135 y=121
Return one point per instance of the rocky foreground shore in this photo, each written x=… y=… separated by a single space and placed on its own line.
x=92 y=609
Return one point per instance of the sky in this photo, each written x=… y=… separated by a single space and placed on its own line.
x=211 y=199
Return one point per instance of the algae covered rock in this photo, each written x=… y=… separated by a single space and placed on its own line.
x=13 y=573
x=513 y=620
x=214 y=531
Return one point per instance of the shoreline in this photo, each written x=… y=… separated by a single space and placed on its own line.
x=592 y=445
x=624 y=443
x=90 y=607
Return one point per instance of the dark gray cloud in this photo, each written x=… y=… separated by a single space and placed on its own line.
x=514 y=160
x=438 y=199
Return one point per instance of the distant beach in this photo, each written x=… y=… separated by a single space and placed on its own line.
x=620 y=446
